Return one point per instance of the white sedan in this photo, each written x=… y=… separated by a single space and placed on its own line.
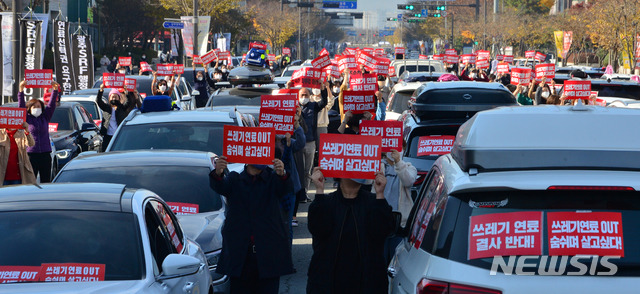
x=95 y=238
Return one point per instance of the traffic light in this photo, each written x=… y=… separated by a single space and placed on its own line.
x=417 y=15
x=435 y=14
x=405 y=7
x=438 y=8
x=392 y=19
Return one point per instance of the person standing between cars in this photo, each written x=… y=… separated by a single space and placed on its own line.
x=255 y=246
x=383 y=97
x=15 y=166
x=162 y=87
x=38 y=118
x=349 y=228
x=114 y=113
x=201 y=83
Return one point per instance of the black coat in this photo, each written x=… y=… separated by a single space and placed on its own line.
x=122 y=110
x=374 y=222
x=253 y=209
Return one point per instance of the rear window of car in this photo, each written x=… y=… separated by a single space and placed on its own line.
x=620 y=91
x=50 y=239
x=234 y=100
x=92 y=109
x=581 y=232
x=428 y=131
x=62 y=117
x=399 y=102
x=186 y=185
x=415 y=68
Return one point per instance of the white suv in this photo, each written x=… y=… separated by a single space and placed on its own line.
x=531 y=200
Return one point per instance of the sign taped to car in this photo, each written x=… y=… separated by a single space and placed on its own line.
x=505 y=234
x=71 y=272
x=389 y=131
x=16 y=274
x=349 y=156
x=585 y=233
x=250 y=145
x=435 y=145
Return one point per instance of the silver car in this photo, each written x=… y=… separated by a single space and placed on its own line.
x=111 y=238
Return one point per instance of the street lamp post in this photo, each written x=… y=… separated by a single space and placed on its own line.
x=16 y=48
x=195 y=27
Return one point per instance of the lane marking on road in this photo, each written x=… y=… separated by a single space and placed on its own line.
x=302 y=241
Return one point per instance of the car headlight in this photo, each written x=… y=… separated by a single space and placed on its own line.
x=63 y=154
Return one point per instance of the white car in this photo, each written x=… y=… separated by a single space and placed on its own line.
x=399 y=99
x=521 y=209
x=88 y=101
x=418 y=65
x=110 y=238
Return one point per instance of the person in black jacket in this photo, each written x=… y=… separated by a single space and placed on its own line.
x=114 y=113
x=255 y=243
x=201 y=83
x=349 y=228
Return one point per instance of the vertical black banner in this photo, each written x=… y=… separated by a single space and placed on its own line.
x=82 y=61
x=30 y=54
x=62 y=57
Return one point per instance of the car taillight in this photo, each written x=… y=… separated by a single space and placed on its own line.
x=592 y=188
x=426 y=286
x=421 y=177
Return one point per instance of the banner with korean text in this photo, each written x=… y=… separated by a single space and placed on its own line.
x=250 y=145
x=359 y=101
x=349 y=156
x=389 y=131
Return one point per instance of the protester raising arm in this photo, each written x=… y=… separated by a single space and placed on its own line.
x=321 y=215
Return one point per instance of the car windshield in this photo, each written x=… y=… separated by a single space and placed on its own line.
x=197 y=136
x=179 y=185
x=557 y=206
x=235 y=100
x=399 y=102
x=288 y=73
x=424 y=131
x=62 y=117
x=101 y=245
x=415 y=68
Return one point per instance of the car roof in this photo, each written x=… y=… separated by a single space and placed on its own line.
x=63 y=104
x=463 y=85
x=411 y=86
x=92 y=196
x=590 y=138
x=139 y=158
x=79 y=97
x=180 y=116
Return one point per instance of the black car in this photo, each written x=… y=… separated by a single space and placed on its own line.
x=440 y=108
x=72 y=131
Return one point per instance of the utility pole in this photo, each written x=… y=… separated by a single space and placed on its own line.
x=195 y=28
x=16 y=48
x=452 y=17
x=478 y=9
x=484 y=39
x=299 y=33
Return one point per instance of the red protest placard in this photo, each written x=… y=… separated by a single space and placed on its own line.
x=390 y=131
x=349 y=156
x=280 y=102
x=197 y=59
x=435 y=145
x=71 y=272
x=307 y=77
x=178 y=69
x=113 y=80
x=508 y=58
x=368 y=50
x=585 y=233
x=503 y=68
x=272 y=57
x=451 y=52
x=399 y=50
x=423 y=57
x=363 y=82
x=53 y=127
x=15 y=274
x=250 y=145
x=347 y=62
x=323 y=52
x=483 y=54
x=280 y=120
x=164 y=69
x=392 y=71
x=38 y=78
x=321 y=62
x=545 y=70
x=382 y=66
x=505 y=234
x=349 y=51
x=180 y=208
x=144 y=66
x=368 y=60
x=451 y=58
x=468 y=58
x=224 y=55
x=332 y=70
x=577 y=89
x=359 y=101
x=520 y=76
x=257 y=45
x=208 y=57
x=499 y=57
x=130 y=84
x=124 y=61
x=380 y=52
x=482 y=63
x=286 y=92
x=12 y=118
x=439 y=57
x=286 y=51
x=529 y=54
x=540 y=56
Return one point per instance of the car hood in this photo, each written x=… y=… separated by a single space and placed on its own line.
x=204 y=228
x=59 y=135
x=84 y=287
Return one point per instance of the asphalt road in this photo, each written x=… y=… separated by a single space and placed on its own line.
x=302 y=251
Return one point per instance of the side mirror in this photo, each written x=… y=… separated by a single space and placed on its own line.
x=180 y=265
x=195 y=93
x=88 y=127
x=185 y=99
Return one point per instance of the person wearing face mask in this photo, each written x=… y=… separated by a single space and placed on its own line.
x=104 y=64
x=114 y=113
x=15 y=165
x=38 y=118
x=323 y=115
x=383 y=96
x=255 y=245
x=544 y=91
x=201 y=83
x=162 y=87
x=224 y=72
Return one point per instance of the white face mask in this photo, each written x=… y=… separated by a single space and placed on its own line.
x=199 y=78
x=223 y=70
x=36 y=111
x=315 y=91
x=304 y=101
x=545 y=94
x=162 y=88
x=123 y=71
x=336 y=89
x=217 y=77
x=473 y=76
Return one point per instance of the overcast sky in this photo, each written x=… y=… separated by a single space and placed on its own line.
x=385 y=8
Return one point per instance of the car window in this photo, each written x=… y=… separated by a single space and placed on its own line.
x=159 y=237
x=82 y=115
x=184 y=186
x=415 y=68
x=399 y=102
x=624 y=205
x=183 y=88
x=64 y=119
x=419 y=131
x=425 y=212
x=197 y=136
x=59 y=237
x=235 y=100
x=91 y=108
x=613 y=90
